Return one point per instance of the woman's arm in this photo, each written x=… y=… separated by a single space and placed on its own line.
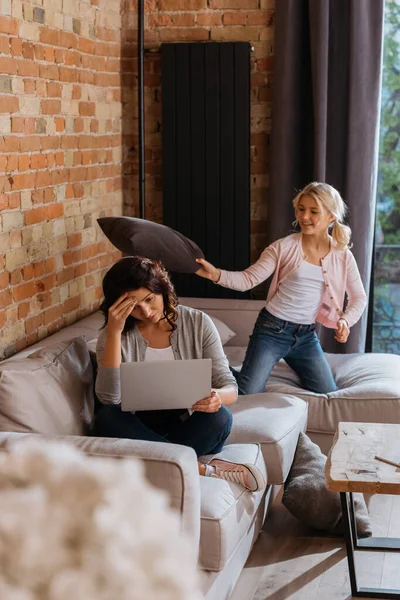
x=241 y=280
x=108 y=351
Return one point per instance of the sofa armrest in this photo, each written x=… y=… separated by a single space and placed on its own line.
x=169 y=467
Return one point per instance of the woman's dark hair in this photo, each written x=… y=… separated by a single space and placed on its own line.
x=134 y=272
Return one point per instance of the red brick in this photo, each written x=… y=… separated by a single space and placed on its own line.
x=12 y=163
x=3 y=201
x=29 y=143
x=29 y=86
x=54 y=90
x=28 y=50
x=30 y=127
x=85 y=45
x=72 y=304
x=8 y=104
x=209 y=19
x=4 y=45
x=14 y=201
x=51 y=107
x=49 y=54
x=54 y=211
x=23 y=182
x=50 y=142
x=260 y=17
x=76 y=92
x=49 y=36
x=35 y=215
x=4 y=280
x=49 y=195
x=65 y=275
x=47 y=283
x=38 y=161
x=87 y=109
x=24 y=291
x=28 y=68
x=74 y=239
x=59 y=56
x=15 y=276
x=80 y=270
x=68 y=40
x=42 y=178
x=234 y=18
x=16 y=47
x=39 y=52
x=5 y=298
x=8 y=25
x=8 y=65
x=27 y=272
x=60 y=124
x=49 y=265
x=38 y=269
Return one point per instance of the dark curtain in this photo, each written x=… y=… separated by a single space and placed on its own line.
x=325 y=125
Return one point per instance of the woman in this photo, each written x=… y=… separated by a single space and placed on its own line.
x=144 y=322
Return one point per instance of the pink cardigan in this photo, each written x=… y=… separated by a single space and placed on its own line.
x=284 y=256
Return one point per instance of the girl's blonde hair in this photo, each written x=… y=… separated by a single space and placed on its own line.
x=326 y=196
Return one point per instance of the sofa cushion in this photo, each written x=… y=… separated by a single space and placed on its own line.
x=274 y=421
x=227 y=509
x=152 y=240
x=369 y=390
x=49 y=391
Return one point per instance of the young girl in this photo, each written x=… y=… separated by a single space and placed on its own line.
x=143 y=322
x=311 y=270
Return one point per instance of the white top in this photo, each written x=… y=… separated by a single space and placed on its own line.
x=155 y=354
x=299 y=296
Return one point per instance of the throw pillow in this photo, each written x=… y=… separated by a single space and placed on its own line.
x=225 y=333
x=308 y=499
x=49 y=391
x=152 y=240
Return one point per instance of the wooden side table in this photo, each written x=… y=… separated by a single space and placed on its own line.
x=352 y=467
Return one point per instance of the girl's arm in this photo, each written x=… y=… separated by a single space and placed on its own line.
x=357 y=298
x=241 y=280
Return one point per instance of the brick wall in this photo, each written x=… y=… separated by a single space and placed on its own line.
x=68 y=130
x=60 y=160
x=196 y=20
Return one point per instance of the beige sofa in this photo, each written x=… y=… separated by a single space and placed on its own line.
x=48 y=393
x=369 y=384
x=48 y=390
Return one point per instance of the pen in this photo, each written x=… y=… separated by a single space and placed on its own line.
x=389 y=462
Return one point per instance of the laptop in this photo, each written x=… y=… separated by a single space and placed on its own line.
x=165 y=384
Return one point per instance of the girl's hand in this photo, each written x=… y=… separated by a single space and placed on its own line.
x=208 y=405
x=342 y=331
x=119 y=311
x=208 y=271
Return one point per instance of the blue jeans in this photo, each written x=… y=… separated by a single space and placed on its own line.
x=204 y=432
x=273 y=339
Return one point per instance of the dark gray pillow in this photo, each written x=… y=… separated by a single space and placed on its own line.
x=144 y=238
x=309 y=500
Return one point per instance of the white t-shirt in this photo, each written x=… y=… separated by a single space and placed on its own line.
x=298 y=297
x=155 y=354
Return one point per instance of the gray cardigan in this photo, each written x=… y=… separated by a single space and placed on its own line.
x=195 y=337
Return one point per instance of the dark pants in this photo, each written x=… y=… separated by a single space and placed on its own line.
x=204 y=432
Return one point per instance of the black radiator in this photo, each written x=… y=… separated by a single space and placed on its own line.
x=206 y=154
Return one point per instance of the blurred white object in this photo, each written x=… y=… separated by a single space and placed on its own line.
x=77 y=527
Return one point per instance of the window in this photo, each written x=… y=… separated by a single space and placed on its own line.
x=386 y=309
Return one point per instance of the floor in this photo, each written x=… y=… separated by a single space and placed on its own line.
x=290 y=561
